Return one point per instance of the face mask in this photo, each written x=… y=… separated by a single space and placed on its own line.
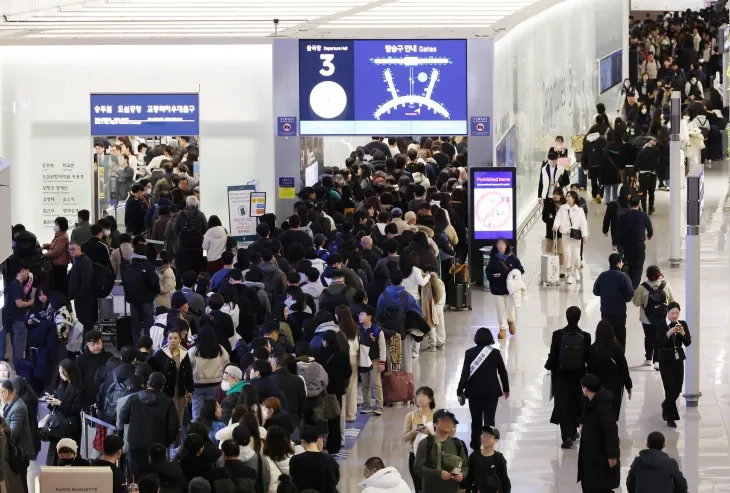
x=56 y=228
x=225 y=386
x=65 y=462
x=643 y=112
x=107 y=232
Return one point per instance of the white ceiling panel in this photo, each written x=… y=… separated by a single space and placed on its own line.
x=176 y=19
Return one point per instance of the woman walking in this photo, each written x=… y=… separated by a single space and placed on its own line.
x=481 y=375
x=173 y=361
x=672 y=337
x=606 y=360
x=419 y=425
x=501 y=262
x=571 y=222
x=652 y=296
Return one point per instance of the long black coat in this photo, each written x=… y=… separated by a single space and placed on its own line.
x=599 y=442
x=613 y=373
x=566 y=384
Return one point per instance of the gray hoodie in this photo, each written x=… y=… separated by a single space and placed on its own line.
x=315 y=376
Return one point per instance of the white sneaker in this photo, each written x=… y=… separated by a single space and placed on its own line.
x=647 y=362
x=656 y=366
x=577 y=275
x=570 y=279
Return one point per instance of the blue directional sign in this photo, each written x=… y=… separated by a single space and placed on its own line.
x=145 y=114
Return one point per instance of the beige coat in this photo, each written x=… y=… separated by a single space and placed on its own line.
x=641 y=296
x=167 y=286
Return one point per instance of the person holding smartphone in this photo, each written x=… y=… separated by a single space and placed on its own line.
x=419 y=425
x=441 y=460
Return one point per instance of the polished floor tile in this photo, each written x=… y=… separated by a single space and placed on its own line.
x=701 y=443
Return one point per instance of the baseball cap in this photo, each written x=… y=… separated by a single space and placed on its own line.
x=67 y=443
x=491 y=430
x=178 y=300
x=444 y=413
x=241 y=435
x=234 y=371
x=396 y=212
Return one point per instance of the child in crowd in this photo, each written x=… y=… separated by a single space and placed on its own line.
x=487 y=467
x=371 y=360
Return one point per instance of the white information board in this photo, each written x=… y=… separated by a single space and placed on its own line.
x=242 y=224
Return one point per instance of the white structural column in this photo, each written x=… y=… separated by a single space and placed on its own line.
x=675 y=183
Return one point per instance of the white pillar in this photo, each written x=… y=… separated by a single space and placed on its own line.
x=675 y=183
x=692 y=317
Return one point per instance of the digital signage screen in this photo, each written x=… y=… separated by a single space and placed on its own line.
x=494 y=204
x=382 y=87
x=144 y=114
x=610 y=70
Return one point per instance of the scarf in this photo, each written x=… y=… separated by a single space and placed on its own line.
x=501 y=256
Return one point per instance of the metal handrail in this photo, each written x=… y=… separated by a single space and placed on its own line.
x=87 y=418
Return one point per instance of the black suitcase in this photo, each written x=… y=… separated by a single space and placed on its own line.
x=458 y=296
x=124 y=332
x=26 y=366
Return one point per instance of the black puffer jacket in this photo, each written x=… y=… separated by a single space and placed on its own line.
x=27 y=250
x=654 y=471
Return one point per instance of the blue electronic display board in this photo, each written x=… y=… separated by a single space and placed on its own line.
x=610 y=69
x=145 y=114
x=382 y=87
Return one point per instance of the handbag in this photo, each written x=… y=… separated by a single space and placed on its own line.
x=575 y=234
x=331 y=406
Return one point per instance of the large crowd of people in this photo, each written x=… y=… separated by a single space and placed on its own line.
x=238 y=367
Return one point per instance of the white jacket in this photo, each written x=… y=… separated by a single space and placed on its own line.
x=157 y=331
x=208 y=371
x=386 y=480
x=516 y=287
x=569 y=218
x=214 y=242
x=276 y=469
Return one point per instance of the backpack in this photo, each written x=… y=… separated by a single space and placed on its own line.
x=190 y=237
x=619 y=214
x=572 y=351
x=336 y=243
x=431 y=441
x=656 y=304
x=18 y=459
x=705 y=130
x=393 y=317
x=694 y=90
x=111 y=397
x=133 y=282
x=103 y=280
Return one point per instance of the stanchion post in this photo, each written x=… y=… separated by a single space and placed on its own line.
x=695 y=205
x=675 y=183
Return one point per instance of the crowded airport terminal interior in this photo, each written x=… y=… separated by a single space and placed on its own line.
x=364 y=246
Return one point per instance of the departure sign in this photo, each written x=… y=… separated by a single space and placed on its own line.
x=145 y=114
x=382 y=87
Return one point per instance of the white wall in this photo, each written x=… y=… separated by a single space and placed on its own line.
x=670 y=5
x=546 y=80
x=337 y=149
x=45 y=111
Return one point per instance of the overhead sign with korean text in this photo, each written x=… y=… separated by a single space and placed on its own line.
x=145 y=114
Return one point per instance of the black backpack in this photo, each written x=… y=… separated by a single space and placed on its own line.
x=190 y=237
x=18 y=459
x=103 y=280
x=656 y=304
x=393 y=317
x=133 y=282
x=111 y=397
x=694 y=90
x=572 y=351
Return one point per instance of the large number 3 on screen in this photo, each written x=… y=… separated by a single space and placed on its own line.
x=328 y=68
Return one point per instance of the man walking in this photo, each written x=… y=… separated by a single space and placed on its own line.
x=599 y=470
x=615 y=289
x=19 y=302
x=441 y=461
x=141 y=286
x=634 y=229
x=653 y=471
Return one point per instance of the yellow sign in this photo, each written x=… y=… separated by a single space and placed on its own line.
x=287 y=193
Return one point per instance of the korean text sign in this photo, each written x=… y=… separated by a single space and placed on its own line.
x=145 y=114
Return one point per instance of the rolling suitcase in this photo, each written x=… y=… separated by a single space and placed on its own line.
x=24 y=368
x=550 y=266
x=398 y=387
x=458 y=296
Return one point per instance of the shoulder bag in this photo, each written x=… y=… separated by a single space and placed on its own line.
x=575 y=234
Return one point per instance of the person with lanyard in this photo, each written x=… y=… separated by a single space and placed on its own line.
x=671 y=340
x=552 y=176
x=479 y=383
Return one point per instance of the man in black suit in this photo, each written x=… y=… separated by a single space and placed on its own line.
x=81 y=287
x=96 y=249
x=135 y=210
x=567 y=365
